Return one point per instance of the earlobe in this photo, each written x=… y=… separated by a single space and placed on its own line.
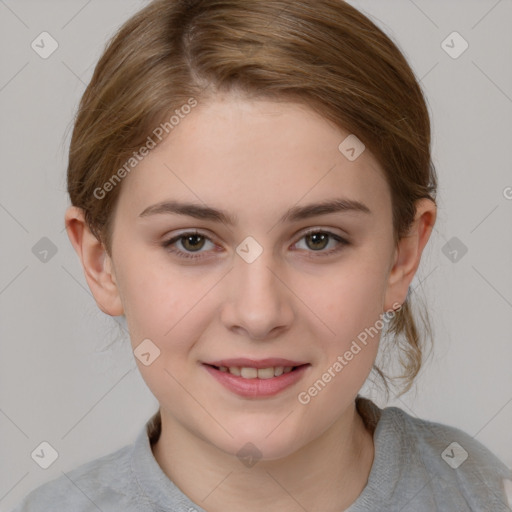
x=96 y=263
x=408 y=253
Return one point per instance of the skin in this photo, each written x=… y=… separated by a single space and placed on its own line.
x=255 y=159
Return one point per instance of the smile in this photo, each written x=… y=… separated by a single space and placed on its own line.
x=252 y=382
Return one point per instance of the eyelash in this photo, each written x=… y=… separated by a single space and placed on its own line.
x=183 y=254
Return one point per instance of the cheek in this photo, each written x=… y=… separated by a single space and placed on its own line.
x=168 y=305
x=353 y=296
x=152 y=297
x=351 y=305
x=352 y=308
x=165 y=307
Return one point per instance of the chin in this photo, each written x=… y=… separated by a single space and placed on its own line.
x=261 y=443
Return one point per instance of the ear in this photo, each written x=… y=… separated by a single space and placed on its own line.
x=408 y=253
x=97 y=264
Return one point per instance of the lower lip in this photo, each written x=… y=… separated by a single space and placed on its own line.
x=256 y=388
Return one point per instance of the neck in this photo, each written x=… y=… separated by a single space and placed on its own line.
x=342 y=455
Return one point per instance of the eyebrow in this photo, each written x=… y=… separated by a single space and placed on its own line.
x=296 y=213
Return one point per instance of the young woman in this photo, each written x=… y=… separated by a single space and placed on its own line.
x=252 y=188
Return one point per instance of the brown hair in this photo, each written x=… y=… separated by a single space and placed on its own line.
x=322 y=53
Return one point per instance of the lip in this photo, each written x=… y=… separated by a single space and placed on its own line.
x=257 y=388
x=243 y=362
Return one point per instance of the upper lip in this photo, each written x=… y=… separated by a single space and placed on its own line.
x=243 y=362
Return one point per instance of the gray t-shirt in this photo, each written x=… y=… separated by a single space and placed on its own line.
x=419 y=466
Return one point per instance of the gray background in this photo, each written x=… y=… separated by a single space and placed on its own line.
x=67 y=373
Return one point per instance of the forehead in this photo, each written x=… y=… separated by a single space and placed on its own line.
x=254 y=154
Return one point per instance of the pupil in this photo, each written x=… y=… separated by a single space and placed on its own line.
x=322 y=237
x=194 y=246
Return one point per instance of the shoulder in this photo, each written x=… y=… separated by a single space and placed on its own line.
x=439 y=443
x=454 y=461
x=105 y=484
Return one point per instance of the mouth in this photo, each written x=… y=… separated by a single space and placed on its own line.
x=257 y=379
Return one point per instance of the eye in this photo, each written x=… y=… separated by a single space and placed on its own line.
x=318 y=240
x=192 y=242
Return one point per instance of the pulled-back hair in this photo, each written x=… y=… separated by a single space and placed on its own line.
x=322 y=53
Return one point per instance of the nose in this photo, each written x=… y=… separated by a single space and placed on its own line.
x=258 y=300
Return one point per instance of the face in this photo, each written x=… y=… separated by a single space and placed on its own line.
x=280 y=282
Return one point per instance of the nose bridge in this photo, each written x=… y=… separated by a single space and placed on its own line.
x=258 y=299
x=255 y=270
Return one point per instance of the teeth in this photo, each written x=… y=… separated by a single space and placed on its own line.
x=255 y=373
x=265 y=373
x=248 y=373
